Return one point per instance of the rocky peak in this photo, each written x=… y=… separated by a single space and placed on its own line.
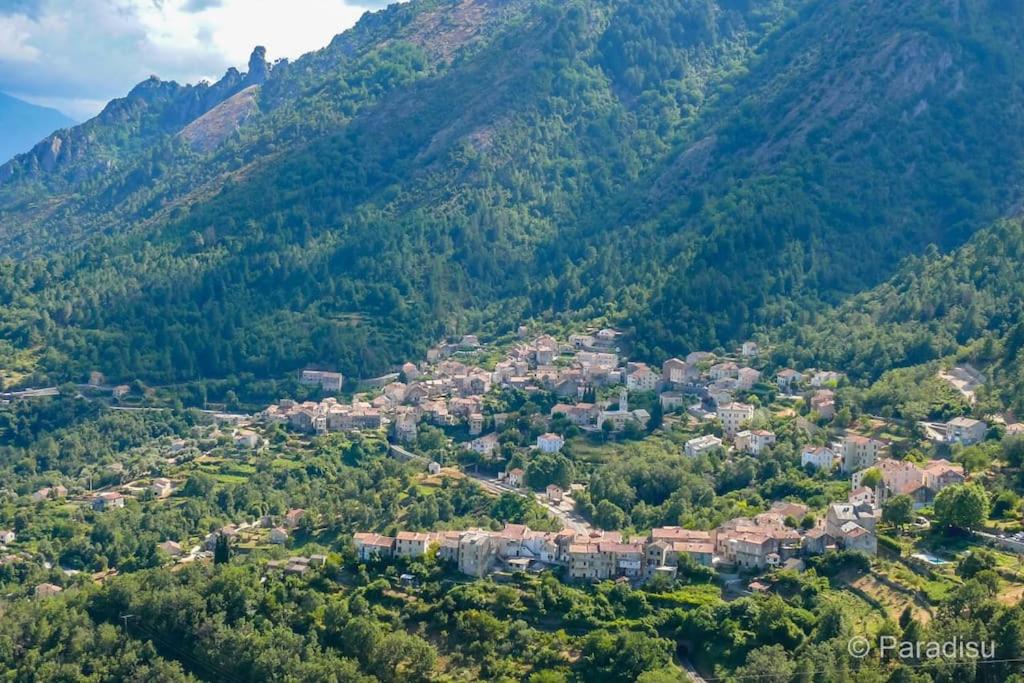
x=259 y=67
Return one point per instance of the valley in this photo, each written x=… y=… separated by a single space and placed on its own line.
x=524 y=340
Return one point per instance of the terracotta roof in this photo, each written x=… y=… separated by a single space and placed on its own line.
x=675 y=533
x=618 y=547
x=688 y=547
x=579 y=548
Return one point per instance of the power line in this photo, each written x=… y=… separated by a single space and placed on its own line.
x=193 y=657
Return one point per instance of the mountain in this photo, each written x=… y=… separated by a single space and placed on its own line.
x=964 y=305
x=696 y=169
x=23 y=125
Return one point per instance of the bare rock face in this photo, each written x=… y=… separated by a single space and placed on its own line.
x=212 y=128
x=49 y=154
x=157 y=108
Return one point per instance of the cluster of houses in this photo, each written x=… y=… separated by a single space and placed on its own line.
x=445 y=391
x=280 y=531
x=325 y=416
x=767 y=541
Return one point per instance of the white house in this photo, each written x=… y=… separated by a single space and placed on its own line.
x=723 y=370
x=554 y=493
x=746 y=378
x=672 y=400
x=369 y=545
x=411 y=544
x=818 y=457
x=107 y=501
x=719 y=396
x=328 y=381
x=733 y=415
x=278 y=535
x=6 y=536
x=162 y=487
x=701 y=445
x=965 y=431
x=484 y=445
x=788 y=379
x=172 y=548
x=514 y=477
x=550 y=443
x=859 y=452
x=642 y=379
x=675 y=371
x=45 y=590
x=246 y=438
x=754 y=441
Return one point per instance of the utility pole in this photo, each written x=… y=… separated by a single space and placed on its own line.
x=125 y=618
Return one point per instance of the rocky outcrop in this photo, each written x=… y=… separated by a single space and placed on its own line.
x=259 y=68
x=156 y=109
x=211 y=129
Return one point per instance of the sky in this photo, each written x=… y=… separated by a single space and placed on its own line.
x=76 y=55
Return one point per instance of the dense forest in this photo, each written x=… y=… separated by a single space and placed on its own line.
x=686 y=167
x=962 y=306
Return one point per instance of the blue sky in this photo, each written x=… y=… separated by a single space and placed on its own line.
x=75 y=55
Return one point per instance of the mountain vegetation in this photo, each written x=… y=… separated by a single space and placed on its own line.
x=961 y=306
x=839 y=180
x=696 y=169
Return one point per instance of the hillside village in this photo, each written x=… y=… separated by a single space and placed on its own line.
x=592 y=381
x=525 y=428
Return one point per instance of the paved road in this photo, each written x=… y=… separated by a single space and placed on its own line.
x=568 y=518
x=407 y=454
x=31 y=393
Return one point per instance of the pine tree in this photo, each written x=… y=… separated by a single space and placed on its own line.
x=222 y=550
x=656 y=418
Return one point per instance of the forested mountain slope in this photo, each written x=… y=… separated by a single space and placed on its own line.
x=967 y=302
x=696 y=167
x=859 y=136
x=165 y=144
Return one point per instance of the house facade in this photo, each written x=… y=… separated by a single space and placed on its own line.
x=733 y=416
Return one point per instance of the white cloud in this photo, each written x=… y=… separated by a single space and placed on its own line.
x=77 y=54
x=15 y=33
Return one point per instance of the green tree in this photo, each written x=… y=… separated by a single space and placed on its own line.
x=657 y=416
x=402 y=657
x=621 y=657
x=221 y=550
x=609 y=516
x=962 y=506
x=898 y=511
x=977 y=560
x=872 y=478
x=768 y=664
